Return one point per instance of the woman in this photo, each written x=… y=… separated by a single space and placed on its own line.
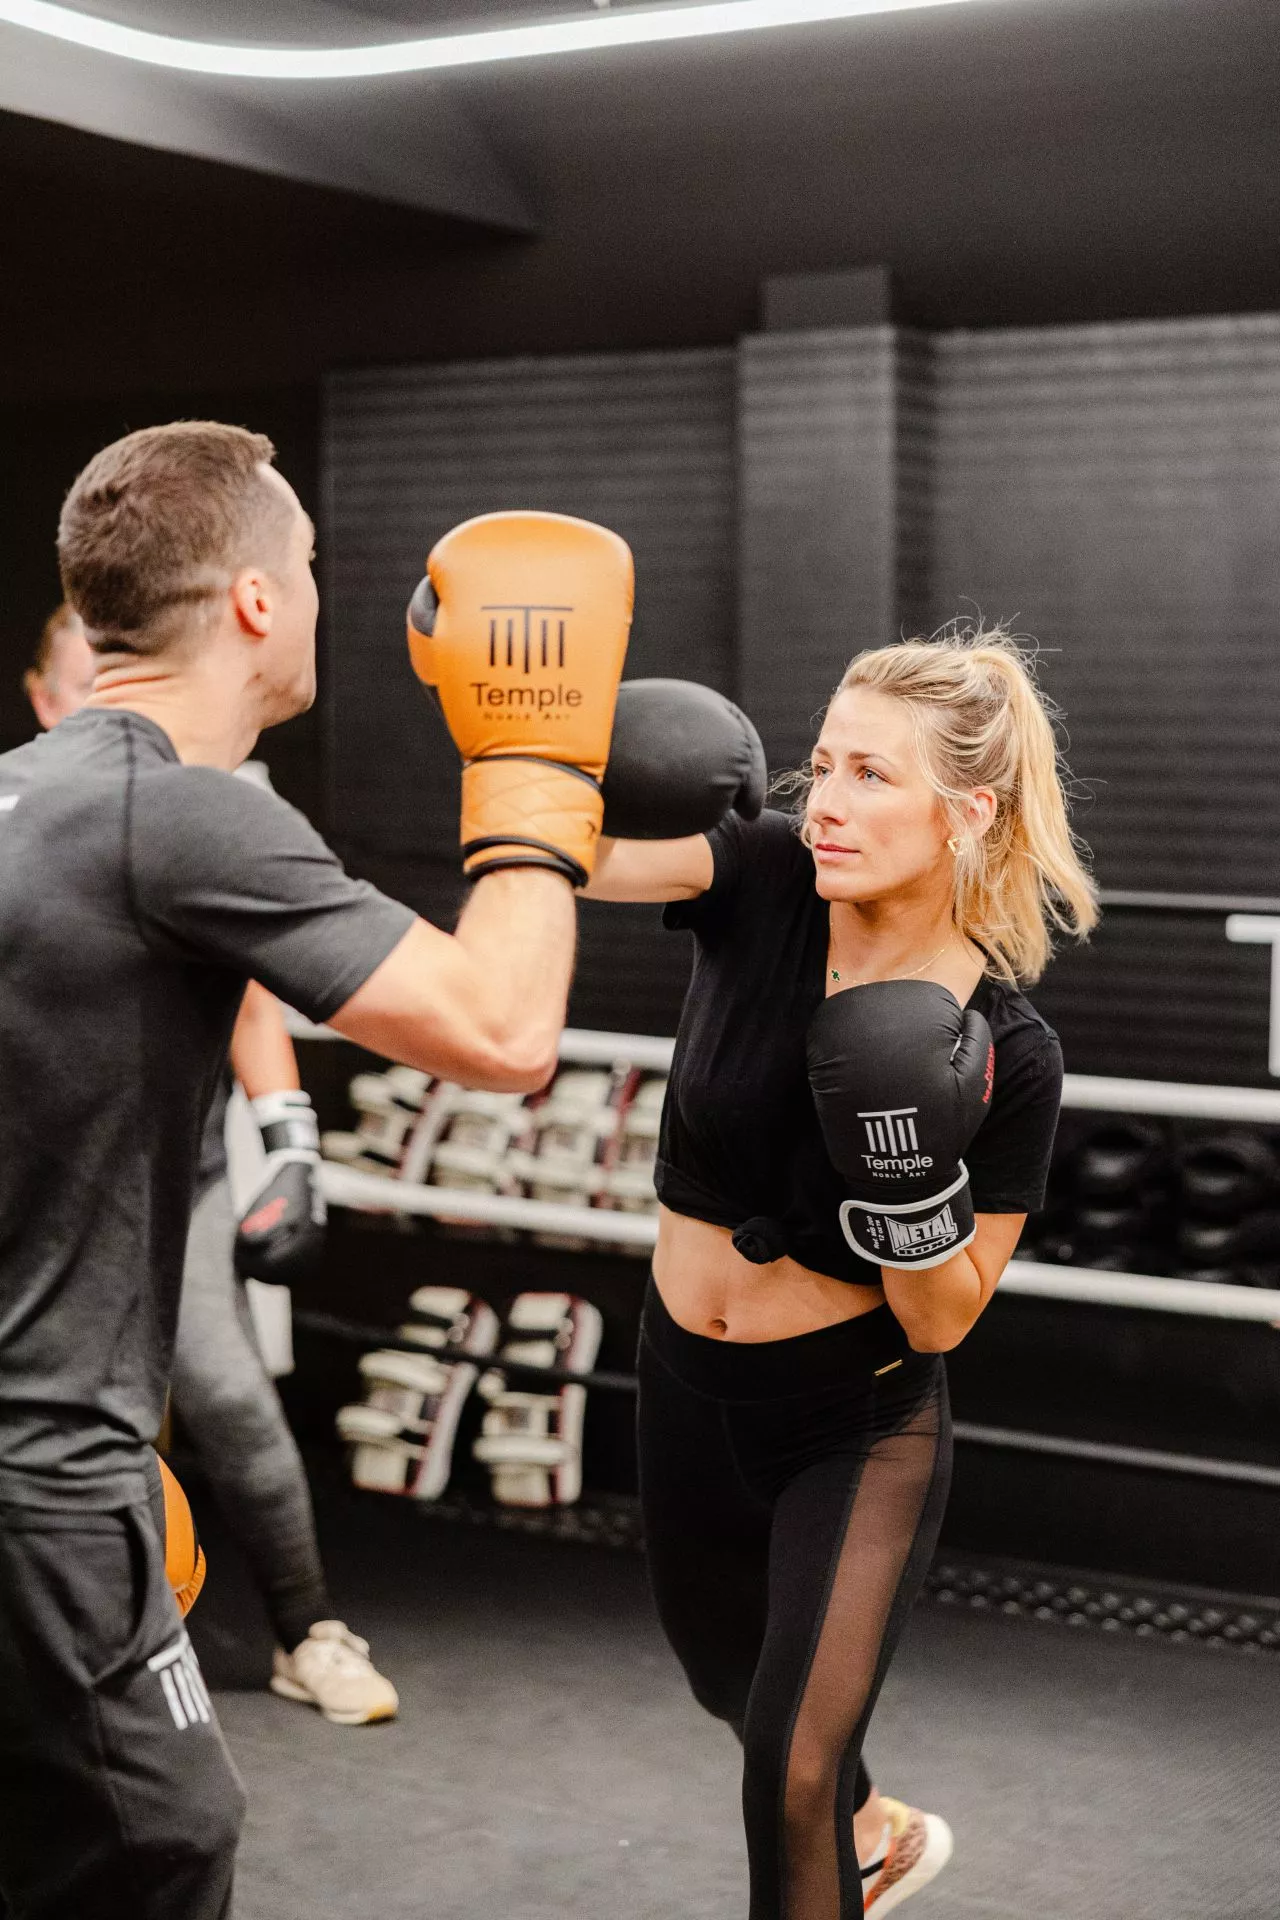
x=794 y=1434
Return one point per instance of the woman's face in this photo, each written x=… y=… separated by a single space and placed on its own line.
x=875 y=825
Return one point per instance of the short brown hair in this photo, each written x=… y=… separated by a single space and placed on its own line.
x=63 y=619
x=158 y=521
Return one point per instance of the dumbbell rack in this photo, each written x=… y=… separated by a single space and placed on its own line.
x=1082 y=1286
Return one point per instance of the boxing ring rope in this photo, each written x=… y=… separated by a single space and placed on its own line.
x=376 y=1193
x=371 y=1192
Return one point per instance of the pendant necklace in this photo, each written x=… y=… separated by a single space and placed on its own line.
x=915 y=971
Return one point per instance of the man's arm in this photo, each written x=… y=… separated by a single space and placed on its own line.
x=262 y=1055
x=484 y=1005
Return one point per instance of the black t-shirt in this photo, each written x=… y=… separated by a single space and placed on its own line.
x=740 y=1135
x=137 y=895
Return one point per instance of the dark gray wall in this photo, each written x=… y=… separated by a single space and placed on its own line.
x=1116 y=492
x=1112 y=490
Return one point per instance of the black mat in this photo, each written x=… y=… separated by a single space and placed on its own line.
x=549 y=1762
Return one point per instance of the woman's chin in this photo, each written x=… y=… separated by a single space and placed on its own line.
x=832 y=884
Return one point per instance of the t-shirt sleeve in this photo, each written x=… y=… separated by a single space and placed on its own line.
x=226 y=872
x=744 y=853
x=1008 y=1159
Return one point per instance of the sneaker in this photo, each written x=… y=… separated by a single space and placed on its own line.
x=332 y=1670
x=919 y=1846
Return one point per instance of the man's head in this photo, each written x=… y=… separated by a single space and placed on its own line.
x=180 y=539
x=60 y=677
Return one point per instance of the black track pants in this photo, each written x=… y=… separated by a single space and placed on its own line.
x=231 y=1413
x=119 y=1799
x=793 y=1493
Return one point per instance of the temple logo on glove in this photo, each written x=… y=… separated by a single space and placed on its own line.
x=521 y=629
x=901 y=1077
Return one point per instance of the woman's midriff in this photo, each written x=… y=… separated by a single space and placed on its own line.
x=708 y=1288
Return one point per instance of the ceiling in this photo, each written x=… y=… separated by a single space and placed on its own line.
x=1013 y=162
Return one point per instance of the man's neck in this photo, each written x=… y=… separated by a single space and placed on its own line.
x=207 y=728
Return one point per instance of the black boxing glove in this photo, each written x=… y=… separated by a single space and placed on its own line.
x=681 y=757
x=282 y=1228
x=901 y=1077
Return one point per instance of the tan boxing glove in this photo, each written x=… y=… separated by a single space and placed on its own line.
x=521 y=628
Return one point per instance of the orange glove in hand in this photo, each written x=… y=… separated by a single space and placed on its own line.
x=521 y=628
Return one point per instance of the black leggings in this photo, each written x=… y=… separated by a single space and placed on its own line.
x=793 y=1492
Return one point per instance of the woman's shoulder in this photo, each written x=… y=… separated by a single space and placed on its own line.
x=1018 y=1029
x=762 y=851
x=754 y=862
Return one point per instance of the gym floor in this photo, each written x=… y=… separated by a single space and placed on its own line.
x=548 y=1760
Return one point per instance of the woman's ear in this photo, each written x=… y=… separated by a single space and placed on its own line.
x=981 y=807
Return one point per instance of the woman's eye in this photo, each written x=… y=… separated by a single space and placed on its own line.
x=869 y=773
x=820 y=773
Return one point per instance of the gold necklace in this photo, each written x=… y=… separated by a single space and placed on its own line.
x=915 y=971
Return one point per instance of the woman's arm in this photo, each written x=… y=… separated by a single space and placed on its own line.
x=637 y=870
x=937 y=1307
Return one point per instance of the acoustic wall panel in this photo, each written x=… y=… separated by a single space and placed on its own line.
x=1116 y=490
x=643 y=443
x=817 y=458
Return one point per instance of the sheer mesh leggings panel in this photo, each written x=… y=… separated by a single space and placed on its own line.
x=708 y=1541
x=851 y=1543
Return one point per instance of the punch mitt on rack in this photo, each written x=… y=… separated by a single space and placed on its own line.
x=531 y=1436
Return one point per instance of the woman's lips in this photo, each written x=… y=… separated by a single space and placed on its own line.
x=829 y=850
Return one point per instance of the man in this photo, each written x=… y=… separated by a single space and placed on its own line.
x=227 y=1401
x=60 y=678
x=140 y=887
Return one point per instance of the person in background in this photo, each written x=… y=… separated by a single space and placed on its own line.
x=221 y=1389
x=60 y=677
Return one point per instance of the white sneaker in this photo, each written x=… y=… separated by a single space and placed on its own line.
x=332 y=1670
x=918 y=1848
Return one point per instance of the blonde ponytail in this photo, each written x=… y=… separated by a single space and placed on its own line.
x=979 y=720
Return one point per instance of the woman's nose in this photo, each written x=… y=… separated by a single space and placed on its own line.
x=829 y=803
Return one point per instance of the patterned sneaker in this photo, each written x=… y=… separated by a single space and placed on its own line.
x=919 y=1846
x=332 y=1670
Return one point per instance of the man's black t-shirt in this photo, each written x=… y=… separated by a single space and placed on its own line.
x=740 y=1137
x=137 y=895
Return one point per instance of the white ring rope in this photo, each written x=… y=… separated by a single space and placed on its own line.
x=1152 y=1293
x=374 y=1192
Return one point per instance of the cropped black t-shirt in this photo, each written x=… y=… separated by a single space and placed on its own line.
x=740 y=1135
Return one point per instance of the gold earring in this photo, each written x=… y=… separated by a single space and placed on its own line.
x=953 y=845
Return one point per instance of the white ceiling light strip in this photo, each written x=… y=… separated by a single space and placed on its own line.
x=599 y=32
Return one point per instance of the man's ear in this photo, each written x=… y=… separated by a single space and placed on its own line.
x=252 y=600
x=41 y=705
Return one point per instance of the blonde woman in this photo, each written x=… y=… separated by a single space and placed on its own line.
x=860 y=1115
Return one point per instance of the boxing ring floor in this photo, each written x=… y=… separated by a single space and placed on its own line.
x=549 y=1762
